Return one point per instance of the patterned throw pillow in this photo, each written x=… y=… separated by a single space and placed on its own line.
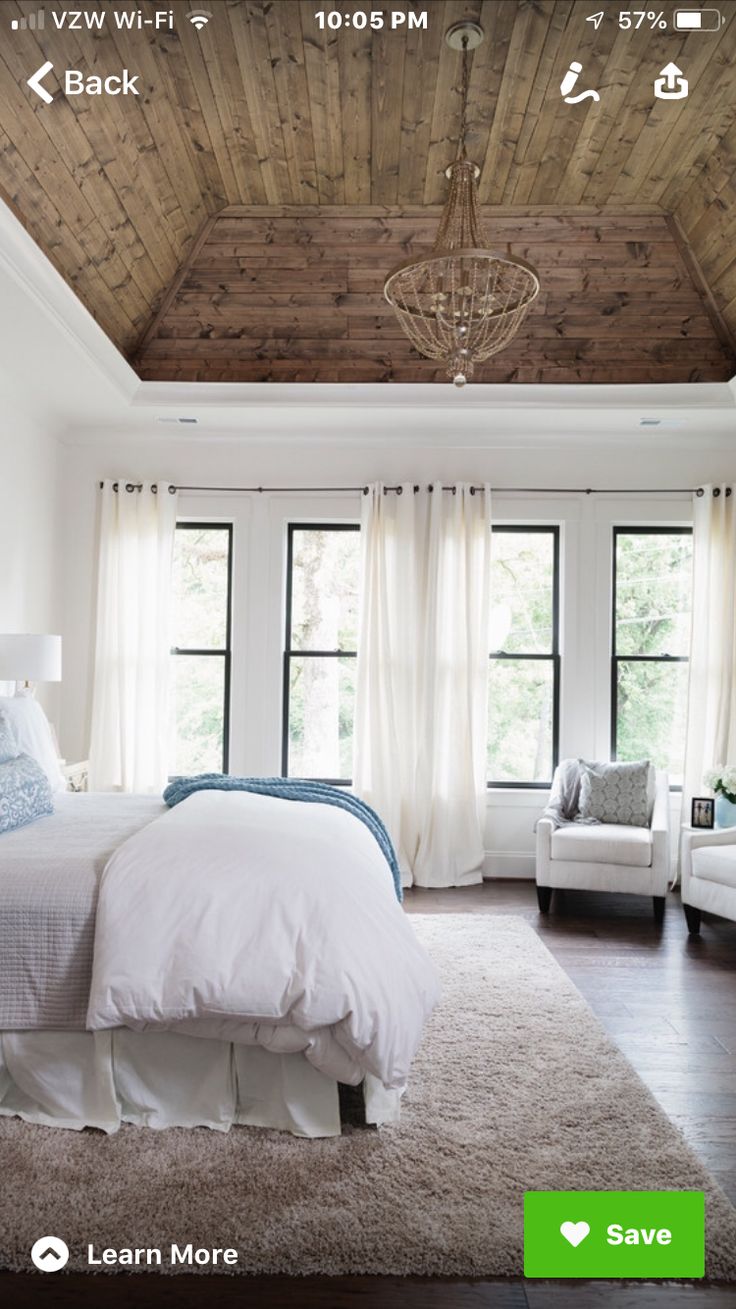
x=8 y=740
x=615 y=793
x=25 y=793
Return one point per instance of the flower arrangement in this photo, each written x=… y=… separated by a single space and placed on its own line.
x=722 y=780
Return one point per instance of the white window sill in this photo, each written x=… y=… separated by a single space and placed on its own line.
x=511 y=797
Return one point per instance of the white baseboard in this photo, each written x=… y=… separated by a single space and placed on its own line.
x=508 y=863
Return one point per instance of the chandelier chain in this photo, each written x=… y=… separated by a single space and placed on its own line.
x=461 y=154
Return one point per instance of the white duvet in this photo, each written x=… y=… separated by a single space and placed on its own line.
x=263 y=921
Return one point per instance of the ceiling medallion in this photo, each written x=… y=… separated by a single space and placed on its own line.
x=461 y=303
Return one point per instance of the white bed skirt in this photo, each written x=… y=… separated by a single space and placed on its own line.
x=162 y=1079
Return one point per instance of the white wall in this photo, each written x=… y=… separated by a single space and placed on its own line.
x=29 y=466
x=259 y=568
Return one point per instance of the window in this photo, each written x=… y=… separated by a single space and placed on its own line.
x=200 y=709
x=652 y=587
x=320 y=650
x=524 y=673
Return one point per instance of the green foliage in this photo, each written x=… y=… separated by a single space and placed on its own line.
x=198 y=696
x=199 y=582
x=652 y=618
x=653 y=602
x=324 y=616
x=199 y=605
x=521 y=691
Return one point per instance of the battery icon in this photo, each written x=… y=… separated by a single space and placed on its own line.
x=698 y=20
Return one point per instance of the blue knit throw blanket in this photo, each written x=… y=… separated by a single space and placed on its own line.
x=291 y=788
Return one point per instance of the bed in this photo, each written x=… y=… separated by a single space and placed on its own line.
x=128 y=997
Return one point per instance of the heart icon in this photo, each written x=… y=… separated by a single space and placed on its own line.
x=574 y=1232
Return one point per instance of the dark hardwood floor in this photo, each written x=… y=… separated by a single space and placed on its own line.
x=666 y=1000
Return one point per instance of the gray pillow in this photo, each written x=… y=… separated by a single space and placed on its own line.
x=25 y=793
x=615 y=793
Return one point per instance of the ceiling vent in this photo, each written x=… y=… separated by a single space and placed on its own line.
x=661 y=422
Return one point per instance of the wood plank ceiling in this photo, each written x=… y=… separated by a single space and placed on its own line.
x=236 y=221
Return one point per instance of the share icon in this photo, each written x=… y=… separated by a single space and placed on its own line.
x=596 y=19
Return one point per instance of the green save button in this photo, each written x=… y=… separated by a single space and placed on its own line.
x=614 y=1234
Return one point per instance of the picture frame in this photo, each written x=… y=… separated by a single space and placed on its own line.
x=702 y=812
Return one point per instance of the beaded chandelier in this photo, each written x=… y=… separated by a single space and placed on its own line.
x=461 y=303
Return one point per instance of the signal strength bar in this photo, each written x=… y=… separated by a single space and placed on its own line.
x=33 y=22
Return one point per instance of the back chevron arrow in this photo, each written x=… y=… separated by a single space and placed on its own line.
x=35 y=82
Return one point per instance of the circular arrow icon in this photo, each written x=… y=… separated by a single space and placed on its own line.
x=50 y=1254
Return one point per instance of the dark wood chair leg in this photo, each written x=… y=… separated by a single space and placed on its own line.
x=658 y=906
x=544 y=896
x=693 y=919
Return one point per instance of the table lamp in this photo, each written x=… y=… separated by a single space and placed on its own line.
x=30 y=658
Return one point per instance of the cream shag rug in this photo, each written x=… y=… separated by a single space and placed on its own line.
x=516 y=1087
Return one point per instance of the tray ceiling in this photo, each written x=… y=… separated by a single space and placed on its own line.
x=236 y=221
x=288 y=296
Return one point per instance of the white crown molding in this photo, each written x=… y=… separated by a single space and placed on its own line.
x=23 y=260
x=246 y=396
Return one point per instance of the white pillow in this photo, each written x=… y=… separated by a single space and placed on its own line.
x=34 y=735
x=8 y=741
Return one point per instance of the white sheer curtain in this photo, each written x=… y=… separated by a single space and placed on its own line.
x=422 y=680
x=130 y=703
x=711 y=726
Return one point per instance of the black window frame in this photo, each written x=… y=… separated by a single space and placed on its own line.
x=553 y=530
x=226 y=652
x=289 y=653
x=635 y=529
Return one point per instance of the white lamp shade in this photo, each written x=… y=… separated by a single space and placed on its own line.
x=30 y=658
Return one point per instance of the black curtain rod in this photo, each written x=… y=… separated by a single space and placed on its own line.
x=497 y=490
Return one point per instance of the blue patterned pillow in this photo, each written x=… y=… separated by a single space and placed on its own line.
x=8 y=739
x=25 y=793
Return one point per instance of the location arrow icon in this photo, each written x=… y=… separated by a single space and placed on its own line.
x=596 y=19
x=35 y=81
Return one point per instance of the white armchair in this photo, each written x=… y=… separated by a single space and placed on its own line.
x=708 y=867
x=608 y=856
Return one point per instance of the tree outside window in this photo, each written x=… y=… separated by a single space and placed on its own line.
x=200 y=654
x=323 y=569
x=652 y=600
x=524 y=667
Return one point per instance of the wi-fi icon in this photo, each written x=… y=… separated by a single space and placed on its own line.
x=199 y=18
